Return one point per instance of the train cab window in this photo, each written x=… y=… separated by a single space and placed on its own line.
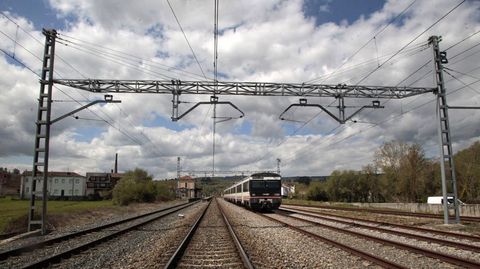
x=245 y=186
x=272 y=184
x=257 y=184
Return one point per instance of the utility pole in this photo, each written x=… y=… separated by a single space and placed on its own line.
x=42 y=134
x=178 y=177
x=278 y=165
x=213 y=138
x=447 y=166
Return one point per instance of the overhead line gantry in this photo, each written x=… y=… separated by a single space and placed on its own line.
x=215 y=88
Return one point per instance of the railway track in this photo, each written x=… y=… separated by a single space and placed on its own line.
x=357 y=221
x=459 y=261
x=211 y=242
x=51 y=250
x=359 y=253
x=389 y=212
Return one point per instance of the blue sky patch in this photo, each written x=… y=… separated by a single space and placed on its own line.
x=39 y=12
x=325 y=11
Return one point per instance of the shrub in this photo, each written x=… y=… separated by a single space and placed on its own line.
x=138 y=186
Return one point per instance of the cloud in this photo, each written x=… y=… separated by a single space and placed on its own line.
x=273 y=42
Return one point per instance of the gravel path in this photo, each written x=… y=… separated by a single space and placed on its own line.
x=271 y=245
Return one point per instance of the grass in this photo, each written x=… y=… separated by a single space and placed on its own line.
x=12 y=209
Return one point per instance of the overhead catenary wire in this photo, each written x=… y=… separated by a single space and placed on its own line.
x=38 y=41
x=423 y=76
x=20 y=62
x=157 y=151
x=370 y=40
x=114 y=60
x=125 y=55
x=465 y=84
x=186 y=39
x=406 y=53
x=69 y=96
x=411 y=41
x=73 y=99
x=215 y=76
x=412 y=51
x=384 y=121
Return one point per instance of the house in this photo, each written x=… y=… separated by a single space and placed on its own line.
x=9 y=182
x=60 y=184
x=98 y=184
x=187 y=188
x=288 y=190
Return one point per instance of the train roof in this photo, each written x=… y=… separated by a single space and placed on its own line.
x=265 y=174
x=254 y=176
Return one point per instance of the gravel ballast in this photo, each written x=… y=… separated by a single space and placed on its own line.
x=272 y=245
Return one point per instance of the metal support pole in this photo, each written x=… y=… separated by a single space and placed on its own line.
x=341 y=108
x=449 y=182
x=278 y=165
x=178 y=177
x=213 y=138
x=42 y=136
x=176 y=99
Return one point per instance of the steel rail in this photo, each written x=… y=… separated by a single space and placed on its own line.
x=30 y=247
x=415 y=228
x=69 y=252
x=432 y=254
x=177 y=255
x=389 y=212
x=399 y=233
x=367 y=256
x=243 y=255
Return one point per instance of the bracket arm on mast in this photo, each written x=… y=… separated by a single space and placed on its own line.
x=214 y=101
x=341 y=120
x=108 y=99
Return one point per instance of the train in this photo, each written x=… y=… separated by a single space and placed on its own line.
x=260 y=191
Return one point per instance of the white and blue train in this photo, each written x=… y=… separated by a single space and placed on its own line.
x=260 y=191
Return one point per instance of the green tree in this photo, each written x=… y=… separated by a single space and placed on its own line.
x=406 y=171
x=467 y=165
x=138 y=186
x=317 y=192
x=304 y=180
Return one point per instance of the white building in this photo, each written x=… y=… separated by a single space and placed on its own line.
x=288 y=190
x=60 y=184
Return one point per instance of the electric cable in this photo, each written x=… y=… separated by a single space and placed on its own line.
x=373 y=38
x=186 y=39
x=126 y=55
x=411 y=41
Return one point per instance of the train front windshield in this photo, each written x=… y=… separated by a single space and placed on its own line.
x=265 y=186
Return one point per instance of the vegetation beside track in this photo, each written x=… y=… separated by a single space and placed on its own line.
x=14 y=211
x=401 y=173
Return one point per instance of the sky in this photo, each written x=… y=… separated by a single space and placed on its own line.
x=381 y=43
